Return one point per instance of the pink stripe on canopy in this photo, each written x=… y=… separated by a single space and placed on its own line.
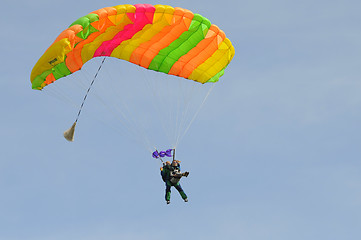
x=143 y=15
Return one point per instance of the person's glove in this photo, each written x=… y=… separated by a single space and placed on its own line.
x=185 y=174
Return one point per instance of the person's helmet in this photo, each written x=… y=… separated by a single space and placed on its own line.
x=175 y=162
x=167 y=162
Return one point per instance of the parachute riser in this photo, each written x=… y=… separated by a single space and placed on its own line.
x=69 y=134
x=91 y=84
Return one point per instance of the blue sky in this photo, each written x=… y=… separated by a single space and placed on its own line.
x=274 y=153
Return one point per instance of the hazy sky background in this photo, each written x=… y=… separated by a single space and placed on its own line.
x=274 y=154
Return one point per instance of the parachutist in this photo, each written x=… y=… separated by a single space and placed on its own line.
x=171 y=175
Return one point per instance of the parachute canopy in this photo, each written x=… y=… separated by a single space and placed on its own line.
x=161 y=38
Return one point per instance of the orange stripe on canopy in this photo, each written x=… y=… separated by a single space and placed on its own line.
x=196 y=56
x=73 y=59
x=103 y=23
x=70 y=33
x=49 y=79
x=145 y=53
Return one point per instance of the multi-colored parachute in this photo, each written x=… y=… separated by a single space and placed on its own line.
x=171 y=40
x=161 y=38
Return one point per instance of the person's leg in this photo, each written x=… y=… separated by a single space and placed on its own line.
x=181 y=192
x=167 y=190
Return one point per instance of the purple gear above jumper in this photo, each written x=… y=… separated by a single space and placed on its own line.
x=161 y=154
